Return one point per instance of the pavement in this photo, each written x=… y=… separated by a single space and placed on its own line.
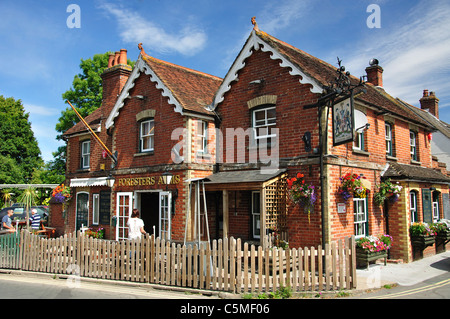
x=408 y=274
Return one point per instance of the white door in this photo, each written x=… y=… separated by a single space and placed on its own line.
x=124 y=207
x=165 y=201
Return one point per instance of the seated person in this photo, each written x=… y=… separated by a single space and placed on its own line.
x=6 y=222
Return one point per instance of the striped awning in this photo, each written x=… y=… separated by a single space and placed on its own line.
x=88 y=182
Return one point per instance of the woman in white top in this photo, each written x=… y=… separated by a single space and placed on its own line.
x=135 y=225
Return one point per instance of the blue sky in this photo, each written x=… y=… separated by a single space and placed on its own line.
x=40 y=54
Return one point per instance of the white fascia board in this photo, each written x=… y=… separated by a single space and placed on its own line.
x=139 y=67
x=255 y=42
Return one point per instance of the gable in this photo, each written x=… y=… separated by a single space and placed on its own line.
x=255 y=43
x=139 y=67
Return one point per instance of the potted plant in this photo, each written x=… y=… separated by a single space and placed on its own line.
x=386 y=190
x=351 y=185
x=371 y=248
x=98 y=233
x=442 y=235
x=422 y=235
x=302 y=193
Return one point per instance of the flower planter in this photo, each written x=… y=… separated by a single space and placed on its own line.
x=364 y=257
x=422 y=241
x=442 y=238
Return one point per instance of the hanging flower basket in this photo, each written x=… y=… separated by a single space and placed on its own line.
x=61 y=194
x=351 y=185
x=302 y=193
x=387 y=190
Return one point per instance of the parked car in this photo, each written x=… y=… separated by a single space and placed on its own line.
x=21 y=214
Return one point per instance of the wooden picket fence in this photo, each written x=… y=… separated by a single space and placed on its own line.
x=225 y=265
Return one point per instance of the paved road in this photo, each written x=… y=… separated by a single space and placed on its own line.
x=29 y=287
x=435 y=288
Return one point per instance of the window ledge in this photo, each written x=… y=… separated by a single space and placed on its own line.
x=144 y=154
x=83 y=170
x=205 y=156
x=359 y=152
x=415 y=162
x=391 y=158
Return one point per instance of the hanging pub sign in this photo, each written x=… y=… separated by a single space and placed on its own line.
x=343 y=122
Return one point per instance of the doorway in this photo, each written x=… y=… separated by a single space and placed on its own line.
x=149 y=209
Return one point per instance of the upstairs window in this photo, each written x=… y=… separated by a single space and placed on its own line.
x=264 y=119
x=412 y=145
x=358 y=143
x=85 y=154
x=388 y=137
x=147 y=136
x=202 y=136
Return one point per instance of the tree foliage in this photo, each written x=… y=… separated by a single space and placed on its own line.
x=86 y=92
x=19 y=151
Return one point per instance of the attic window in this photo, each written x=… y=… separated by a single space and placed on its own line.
x=263 y=120
x=147 y=135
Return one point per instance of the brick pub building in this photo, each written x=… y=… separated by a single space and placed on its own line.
x=245 y=135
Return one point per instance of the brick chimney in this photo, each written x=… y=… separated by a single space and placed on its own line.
x=430 y=103
x=375 y=73
x=114 y=79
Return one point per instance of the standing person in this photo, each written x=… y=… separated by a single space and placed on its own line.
x=35 y=219
x=6 y=221
x=135 y=225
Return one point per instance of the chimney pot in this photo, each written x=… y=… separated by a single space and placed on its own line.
x=111 y=60
x=123 y=56
x=425 y=93
x=116 y=58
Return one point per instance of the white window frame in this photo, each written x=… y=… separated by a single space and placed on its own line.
x=256 y=214
x=266 y=122
x=388 y=137
x=412 y=145
x=202 y=137
x=144 y=135
x=360 y=217
x=85 y=154
x=435 y=207
x=123 y=213
x=413 y=206
x=95 y=209
x=165 y=212
x=358 y=143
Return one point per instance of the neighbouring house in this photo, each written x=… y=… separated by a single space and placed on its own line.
x=244 y=138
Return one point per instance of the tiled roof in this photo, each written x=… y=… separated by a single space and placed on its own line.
x=93 y=120
x=324 y=72
x=440 y=125
x=193 y=89
x=413 y=172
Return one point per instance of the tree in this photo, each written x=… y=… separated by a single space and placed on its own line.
x=86 y=93
x=19 y=151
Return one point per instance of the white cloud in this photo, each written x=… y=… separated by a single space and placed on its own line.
x=414 y=56
x=135 y=29
x=281 y=14
x=39 y=110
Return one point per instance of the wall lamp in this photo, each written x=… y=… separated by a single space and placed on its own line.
x=365 y=127
x=110 y=181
